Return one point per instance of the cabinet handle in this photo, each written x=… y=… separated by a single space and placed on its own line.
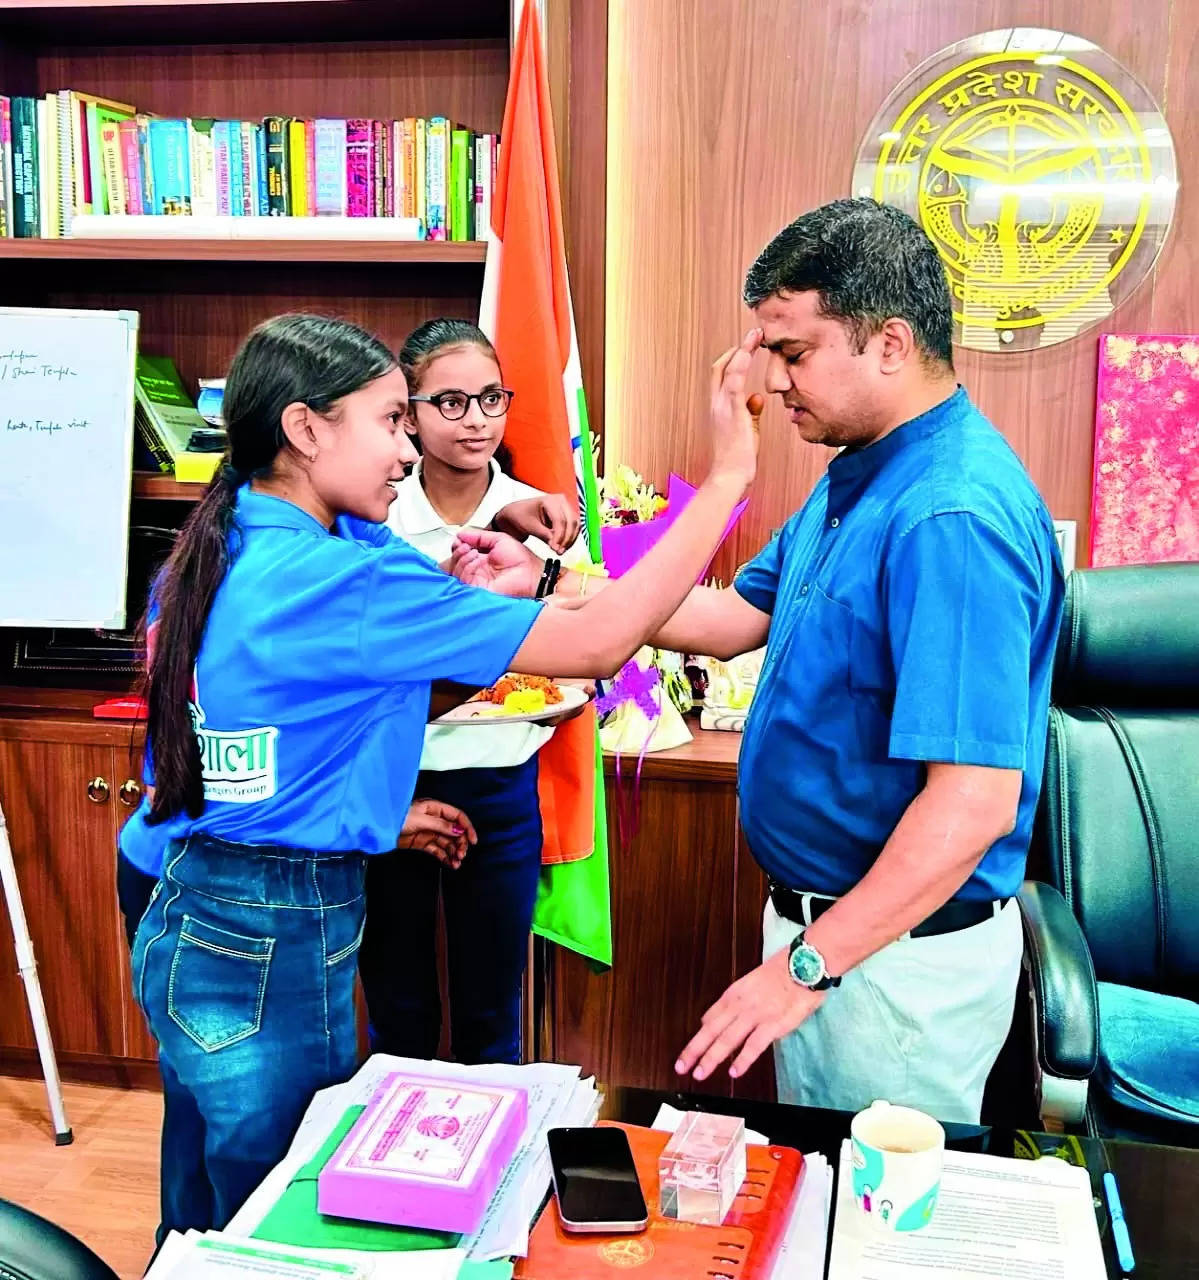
x=97 y=791
x=130 y=793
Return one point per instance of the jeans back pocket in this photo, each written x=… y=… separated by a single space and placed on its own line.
x=218 y=984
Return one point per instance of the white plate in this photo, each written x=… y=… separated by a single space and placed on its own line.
x=468 y=713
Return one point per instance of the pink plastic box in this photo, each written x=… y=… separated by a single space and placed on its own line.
x=425 y=1153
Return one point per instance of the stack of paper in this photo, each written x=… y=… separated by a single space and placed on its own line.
x=557 y=1098
x=806 y=1240
x=219 y=1255
x=994 y=1218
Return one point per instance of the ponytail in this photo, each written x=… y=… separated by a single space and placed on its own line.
x=304 y=359
x=186 y=589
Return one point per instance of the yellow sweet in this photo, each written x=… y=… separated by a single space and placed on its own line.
x=524 y=701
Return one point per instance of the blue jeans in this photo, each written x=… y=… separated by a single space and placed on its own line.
x=488 y=904
x=244 y=966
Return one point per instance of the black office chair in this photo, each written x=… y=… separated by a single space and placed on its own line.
x=1112 y=941
x=33 y=1249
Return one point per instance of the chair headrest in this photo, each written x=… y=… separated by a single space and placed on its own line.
x=1130 y=637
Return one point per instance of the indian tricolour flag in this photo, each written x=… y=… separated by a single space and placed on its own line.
x=526 y=311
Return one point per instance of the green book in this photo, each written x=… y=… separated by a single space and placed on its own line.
x=278 y=166
x=462 y=185
x=168 y=408
x=295 y=1219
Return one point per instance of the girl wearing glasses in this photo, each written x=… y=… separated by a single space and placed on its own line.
x=458 y=406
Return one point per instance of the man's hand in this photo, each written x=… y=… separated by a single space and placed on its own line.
x=438 y=829
x=752 y=1014
x=550 y=517
x=496 y=562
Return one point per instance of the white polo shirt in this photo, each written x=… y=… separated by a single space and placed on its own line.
x=413 y=518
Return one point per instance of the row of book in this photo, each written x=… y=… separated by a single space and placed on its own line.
x=73 y=154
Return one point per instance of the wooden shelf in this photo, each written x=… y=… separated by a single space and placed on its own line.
x=186 y=249
x=151 y=484
x=117 y=22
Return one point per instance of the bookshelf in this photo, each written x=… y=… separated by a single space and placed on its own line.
x=243 y=60
x=198 y=249
x=154 y=487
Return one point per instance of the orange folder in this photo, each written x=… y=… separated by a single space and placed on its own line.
x=744 y=1248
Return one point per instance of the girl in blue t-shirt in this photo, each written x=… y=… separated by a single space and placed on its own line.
x=295 y=640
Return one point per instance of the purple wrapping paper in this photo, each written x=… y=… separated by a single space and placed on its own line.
x=624 y=545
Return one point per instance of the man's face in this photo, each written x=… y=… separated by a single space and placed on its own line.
x=836 y=395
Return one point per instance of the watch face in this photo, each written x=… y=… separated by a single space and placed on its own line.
x=807 y=965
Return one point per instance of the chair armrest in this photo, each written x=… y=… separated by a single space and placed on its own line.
x=1062 y=976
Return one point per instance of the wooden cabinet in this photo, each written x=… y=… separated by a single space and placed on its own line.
x=687 y=903
x=66 y=786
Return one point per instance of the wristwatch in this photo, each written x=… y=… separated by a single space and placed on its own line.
x=807 y=968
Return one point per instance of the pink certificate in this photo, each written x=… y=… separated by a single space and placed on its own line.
x=425 y=1153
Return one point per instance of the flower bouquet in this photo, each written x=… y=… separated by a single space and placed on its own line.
x=633 y=516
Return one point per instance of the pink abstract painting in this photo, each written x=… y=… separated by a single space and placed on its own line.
x=1145 y=507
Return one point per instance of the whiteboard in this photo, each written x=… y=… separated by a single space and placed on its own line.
x=66 y=443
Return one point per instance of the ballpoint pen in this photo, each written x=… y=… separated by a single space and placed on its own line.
x=1119 y=1227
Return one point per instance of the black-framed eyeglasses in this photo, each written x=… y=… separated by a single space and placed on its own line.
x=453 y=405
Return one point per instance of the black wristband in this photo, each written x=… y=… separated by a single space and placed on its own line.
x=549 y=579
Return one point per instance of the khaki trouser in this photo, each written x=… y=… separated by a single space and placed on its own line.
x=920 y=1022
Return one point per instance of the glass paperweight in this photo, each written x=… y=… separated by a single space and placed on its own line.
x=702 y=1168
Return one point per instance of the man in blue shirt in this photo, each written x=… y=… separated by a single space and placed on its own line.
x=892 y=758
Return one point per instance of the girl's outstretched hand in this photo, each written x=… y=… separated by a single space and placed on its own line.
x=495 y=562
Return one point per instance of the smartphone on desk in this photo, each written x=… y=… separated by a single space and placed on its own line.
x=596 y=1182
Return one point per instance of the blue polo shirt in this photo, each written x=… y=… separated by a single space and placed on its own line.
x=915 y=604
x=311 y=686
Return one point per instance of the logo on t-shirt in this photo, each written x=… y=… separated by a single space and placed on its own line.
x=238 y=767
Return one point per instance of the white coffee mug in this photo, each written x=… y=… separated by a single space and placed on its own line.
x=897 y=1158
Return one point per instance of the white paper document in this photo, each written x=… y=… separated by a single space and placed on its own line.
x=806 y=1240
x=217 y=1255
x=1012 y=1219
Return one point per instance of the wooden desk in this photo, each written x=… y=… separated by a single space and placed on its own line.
x=1156 y=1183
x=687 y=902
x=711 y=756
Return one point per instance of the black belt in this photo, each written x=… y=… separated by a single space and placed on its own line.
x=789 y=903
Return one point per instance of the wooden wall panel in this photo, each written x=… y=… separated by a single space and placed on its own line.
x=1175 y=292
x=728 y=119
x=582 y=121
x=576 y=37
x=673 y=936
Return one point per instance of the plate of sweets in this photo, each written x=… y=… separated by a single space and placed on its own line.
x=517 y=699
